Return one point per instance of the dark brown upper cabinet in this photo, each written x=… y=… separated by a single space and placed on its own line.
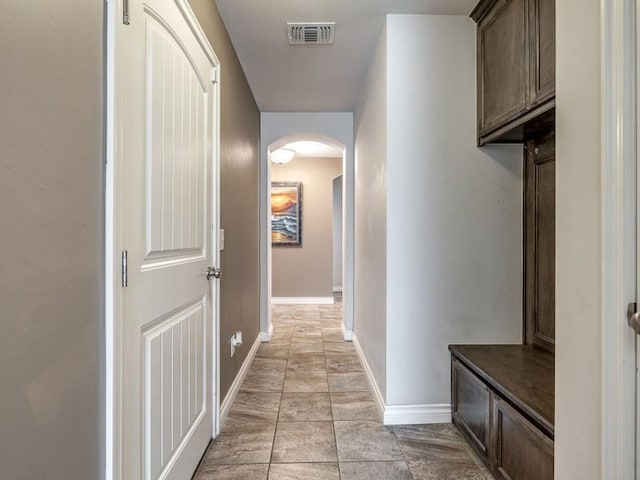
x=542 y=48
x=516 y=66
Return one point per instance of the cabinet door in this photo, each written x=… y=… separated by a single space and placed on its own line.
x=521 y=451
x=471 y=407
x=542 y=28
x=540 y=239
x=503 y=64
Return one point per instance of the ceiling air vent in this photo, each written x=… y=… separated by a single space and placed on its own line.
x=311 y=33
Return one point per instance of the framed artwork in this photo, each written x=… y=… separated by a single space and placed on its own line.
x=286 y=214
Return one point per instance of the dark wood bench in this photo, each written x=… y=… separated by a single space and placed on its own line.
x=503 y=404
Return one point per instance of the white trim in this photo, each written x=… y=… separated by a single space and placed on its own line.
x=619 y=237
x=370 y=378
x=302 y=301
x=198 y=32
x=417 y=414
x=266 y=336
x=229 y=398
x=112 y=409
x=401 y=414
x=348 y=334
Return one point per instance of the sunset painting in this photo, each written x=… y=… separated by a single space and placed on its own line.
x=286 y=213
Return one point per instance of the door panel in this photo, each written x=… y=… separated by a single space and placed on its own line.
x=471 y=407
x=168 y=175
x=175 y=374
x=177 y=125
x=521 y=451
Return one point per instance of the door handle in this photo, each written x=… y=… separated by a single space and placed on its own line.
x=633 y=317
x=213 y=272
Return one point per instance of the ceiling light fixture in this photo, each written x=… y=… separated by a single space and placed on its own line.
x=282 y=156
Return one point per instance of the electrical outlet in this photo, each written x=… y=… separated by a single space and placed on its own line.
x=236 y=341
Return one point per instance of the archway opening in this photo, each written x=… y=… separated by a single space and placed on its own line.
x=306 y=240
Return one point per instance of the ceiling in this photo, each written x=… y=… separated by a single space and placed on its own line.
x=318 y=78
x=311 y=149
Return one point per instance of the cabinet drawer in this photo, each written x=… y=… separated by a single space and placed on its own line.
x=471 y=406
x=520 y=451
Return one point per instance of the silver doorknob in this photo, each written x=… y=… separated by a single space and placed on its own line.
x=213 y=272
x=633 y=317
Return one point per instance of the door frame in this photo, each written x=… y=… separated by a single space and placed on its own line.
x=113 y=228
x=619 y=76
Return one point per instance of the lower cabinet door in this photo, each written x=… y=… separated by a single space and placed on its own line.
x=471 y=407
x=520 y=450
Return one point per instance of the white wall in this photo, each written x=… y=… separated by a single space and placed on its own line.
x=321 y=126
x=578 y=431
x=454 y=224
x=337 y=233
x=371 y=216
x=452 y=213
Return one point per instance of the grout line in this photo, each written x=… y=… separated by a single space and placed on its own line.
x=406 y=461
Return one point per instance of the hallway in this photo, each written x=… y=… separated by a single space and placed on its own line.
x=305 y=411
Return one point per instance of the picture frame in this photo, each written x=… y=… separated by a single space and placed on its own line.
x=286 y=214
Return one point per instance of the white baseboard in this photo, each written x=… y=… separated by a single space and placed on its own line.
x=369 y=374
x=401 y=414
x=231 y=395
x=348 y=334
x=302 y=301
x=417 y=414
x=266 y=336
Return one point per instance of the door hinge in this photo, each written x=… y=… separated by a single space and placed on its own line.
x=125 y=272
x=214 y=75
x=125 y=12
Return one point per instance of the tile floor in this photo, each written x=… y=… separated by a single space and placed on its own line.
x=305 y=411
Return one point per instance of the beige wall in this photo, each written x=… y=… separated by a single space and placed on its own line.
x=51 y=201
x=307 y=271
x=578 y=431
x=239 y=170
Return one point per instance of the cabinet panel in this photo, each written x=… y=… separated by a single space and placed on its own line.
x=545 y=324
x=542 y=21
x=539 y=247
x=521 y=452
x=471 y=407
x=503 y=58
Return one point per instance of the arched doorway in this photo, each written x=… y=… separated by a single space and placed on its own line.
x=346 y=152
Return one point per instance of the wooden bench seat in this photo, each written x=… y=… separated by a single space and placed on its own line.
x=503 y=403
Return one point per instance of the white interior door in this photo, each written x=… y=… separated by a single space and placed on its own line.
x=168 y=174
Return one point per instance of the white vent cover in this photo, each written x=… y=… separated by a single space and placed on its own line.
x=315 y=33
